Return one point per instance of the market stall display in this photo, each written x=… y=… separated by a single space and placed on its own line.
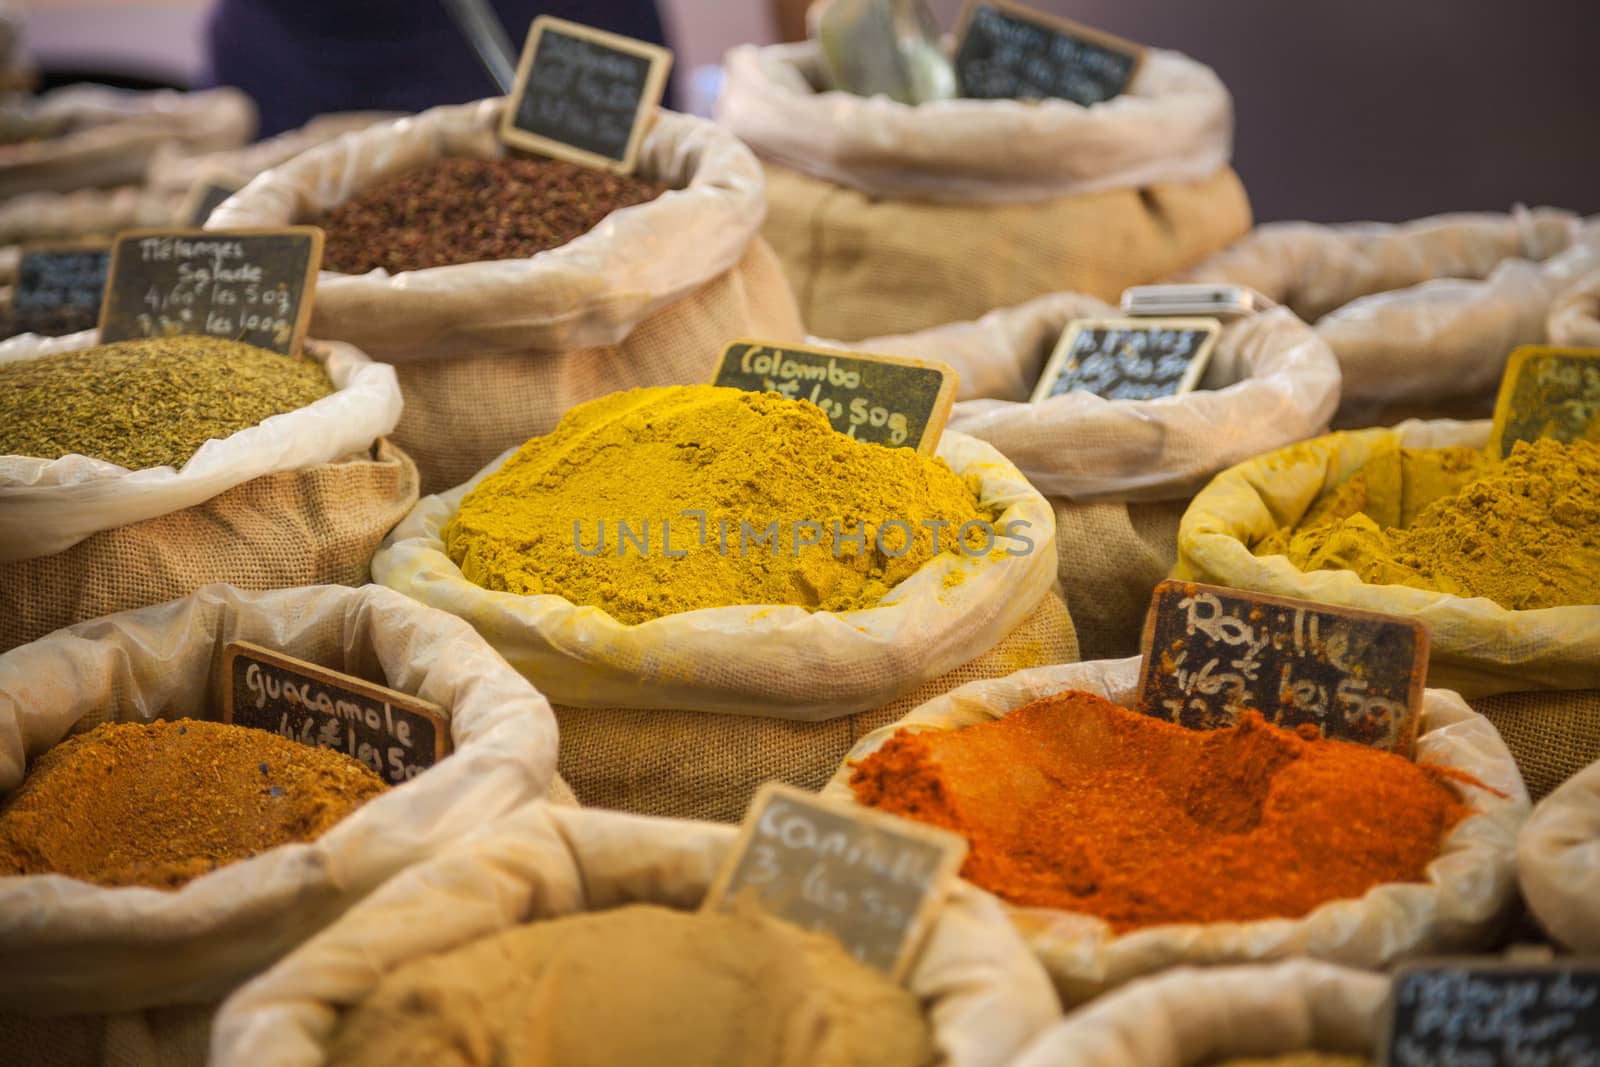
x=1119 y=473
x=243 y=471
x=791 y=653
x=1558 y=862
x=545 y=871
x=113 y=963
x=1217 y=911
x=491 y=352
x=1421 y=315
x=890 y=217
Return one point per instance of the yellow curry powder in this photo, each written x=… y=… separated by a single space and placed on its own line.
x=656 y=501
x=1524 y=533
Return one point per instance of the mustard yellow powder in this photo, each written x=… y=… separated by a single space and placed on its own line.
x=1524 y=533
x=595 y=510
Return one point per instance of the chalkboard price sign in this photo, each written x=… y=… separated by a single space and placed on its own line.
x=1210 y=654
x=59 y=287
x=885 y=400
x=1129 y=359
x=1547 y=392
x=206 y=196
x=398 y=735
x=1442 y=1013
x=869 y=879
x=583 y=94
x=1009 y=52
x=254 y=286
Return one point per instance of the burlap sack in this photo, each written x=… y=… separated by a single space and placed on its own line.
x=69 y=947
x=1468 y=894
x=1558 y=861
x=1575 y=314
x=1120 y=472
x=891 y=218
x=490 y=354
x=1553 y=734
x=1423 y=315
x=693 y=765
x=1477 y=647
x=113 y=133
x=985 y=997
x=1192 y=1017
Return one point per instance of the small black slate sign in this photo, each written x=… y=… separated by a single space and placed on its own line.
x=398 y=735
x=583 y=94
x=1009 y=52
x=254 y=286
x=1547 y=392
x=205 y=197
x=1487 y=1013
x=869 y=879
x=886 y=400
x=1129 y=359
x=59 y=288
x=1210 y=654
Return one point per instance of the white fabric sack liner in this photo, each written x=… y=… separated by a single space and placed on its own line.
x=1558 y=856
x=68 y=946
x=1575 y=315
x=779 y=661
x=1478 y=647
x=591 y=291
x=1270 y=382
x=983 y=994
x=1174 y=124
x=1192 y=1017
x=49 y=505
x=1470 y=885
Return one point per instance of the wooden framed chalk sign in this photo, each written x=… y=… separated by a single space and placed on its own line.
x=870 y=879
x=206 y=195
x=1006 y=51
x=1492 y=1011
x=886 y=400
x=398 y=735
x=1129 y=359
x=254 y=286
x=1547 y=391
x=1210 y=654
x=59 y=287
x=584 y=95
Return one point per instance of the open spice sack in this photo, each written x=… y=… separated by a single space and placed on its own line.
x=89 y=136
x=1422 y=315
x=1558 y=862
x=598 y=875
x=692 y=665
x=122 y=960
x=1419 y=861
x=211 y=461
x=891 y=218
x=1525 y=528
x=1119 y=473
x=1200 y=1017
x=492 y=351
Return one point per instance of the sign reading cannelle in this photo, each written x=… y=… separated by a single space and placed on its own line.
x=885 y=400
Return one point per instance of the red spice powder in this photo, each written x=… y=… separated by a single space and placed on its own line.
x=1078 y=804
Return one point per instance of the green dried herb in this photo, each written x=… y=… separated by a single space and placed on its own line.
x=148 y=403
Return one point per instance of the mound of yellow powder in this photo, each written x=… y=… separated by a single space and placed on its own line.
x=596 y=510
x=638 y=985
x=1524 y=533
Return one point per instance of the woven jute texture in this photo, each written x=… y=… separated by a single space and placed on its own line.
x=695 y=765
x=314 y=526
x=460 y=413
x=1552 y=734
x=157 y=1037
x=863 y=267
x=1112 y=557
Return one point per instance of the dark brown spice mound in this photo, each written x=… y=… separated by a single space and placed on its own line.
x=157 y=804
x=470 y=210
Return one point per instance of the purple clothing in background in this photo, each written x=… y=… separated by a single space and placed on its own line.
x=303 y=58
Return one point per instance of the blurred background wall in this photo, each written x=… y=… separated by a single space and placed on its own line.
x=1362 y=109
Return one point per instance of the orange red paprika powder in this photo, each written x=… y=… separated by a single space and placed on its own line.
x=1076 y=803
